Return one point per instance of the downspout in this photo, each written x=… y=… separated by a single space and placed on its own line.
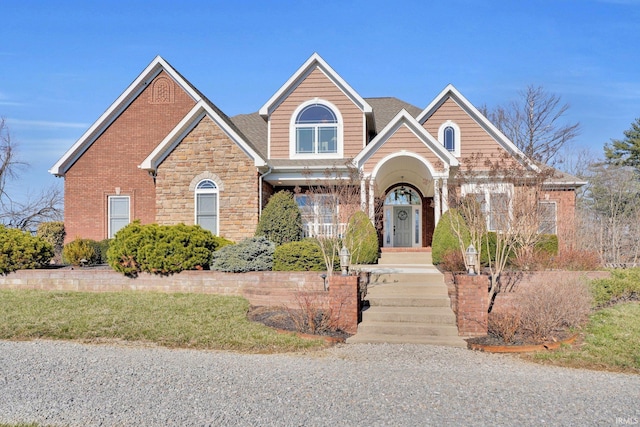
x=260 y=180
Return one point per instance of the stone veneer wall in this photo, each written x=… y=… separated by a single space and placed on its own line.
x=207 y=152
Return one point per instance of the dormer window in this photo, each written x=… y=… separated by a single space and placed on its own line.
x=316 y=131
x=449 y=137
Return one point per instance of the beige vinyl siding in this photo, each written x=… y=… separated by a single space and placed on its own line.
x=473 y=138
x=316 y=85
x=403 y=139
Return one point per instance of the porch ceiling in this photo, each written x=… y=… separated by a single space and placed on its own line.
x=405 y=169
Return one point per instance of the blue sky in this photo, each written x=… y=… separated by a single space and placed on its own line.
x=62 y=63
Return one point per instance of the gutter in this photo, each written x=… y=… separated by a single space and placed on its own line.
x=260 y=180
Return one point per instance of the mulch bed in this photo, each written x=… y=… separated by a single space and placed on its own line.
x=280 y=318
x=520 y=343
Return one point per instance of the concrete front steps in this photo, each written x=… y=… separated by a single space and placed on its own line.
x=408 y=303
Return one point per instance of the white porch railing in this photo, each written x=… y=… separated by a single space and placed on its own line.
x=323 y=229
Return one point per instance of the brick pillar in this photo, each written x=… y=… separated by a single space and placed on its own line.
x=344 y=302
x=473 y=302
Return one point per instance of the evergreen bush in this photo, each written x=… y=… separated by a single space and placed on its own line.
x=548 y=244
x=304 y=255
x=54 y=233
x=253 y=254
x=20 y=250
x=81 y=251
x=161 y=249
x=445 y=239
x=280 y=221
x=623 y=285
x=361 y=239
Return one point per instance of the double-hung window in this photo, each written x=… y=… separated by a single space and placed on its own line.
x=548 y=213
x=316 y=130
x=119 y=215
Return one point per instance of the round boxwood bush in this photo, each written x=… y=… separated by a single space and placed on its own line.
x=444 y=238
x=361 y=239
x=280 y=221
x=161 y=249
x=81 y=251
x=253 y=254
x=21 y=250
x=304 y=255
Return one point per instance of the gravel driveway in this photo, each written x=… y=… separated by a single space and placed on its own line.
x=69 y=384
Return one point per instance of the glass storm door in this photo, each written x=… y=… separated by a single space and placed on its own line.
x=402 y=226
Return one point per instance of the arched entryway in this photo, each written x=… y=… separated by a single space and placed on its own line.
x=407 y=217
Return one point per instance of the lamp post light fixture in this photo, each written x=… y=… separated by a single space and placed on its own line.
x=472 y=259
x=345 y=257
x=324 y=280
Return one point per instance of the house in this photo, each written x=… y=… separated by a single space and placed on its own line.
x=164 y=153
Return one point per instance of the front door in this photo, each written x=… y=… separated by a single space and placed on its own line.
x=402 y=226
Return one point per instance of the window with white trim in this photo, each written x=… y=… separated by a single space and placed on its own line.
x=548 y=213
x=449 y=137
x=495 y=203
x=118 y=213
x=316 y=131
x=206 y=201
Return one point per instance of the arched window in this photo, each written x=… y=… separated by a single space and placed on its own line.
x=207 y=205
x=316 y=130
x=449 y=136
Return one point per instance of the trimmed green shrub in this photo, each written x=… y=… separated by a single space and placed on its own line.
x=122 y=255
x=254 y=254
x=54 y=233
x=548 y=244
x=81 y=249
x=161 y=249
x=304 y=255
x=20 y=250
x=280 y=221
x=444 y=238
x=624 y=284
x=101 y=249
x=361 y=239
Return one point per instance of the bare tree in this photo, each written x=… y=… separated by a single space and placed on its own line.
x=609 y=210
x=534 y=124
x=27 y=213
x=330 y=201
x=502 y=197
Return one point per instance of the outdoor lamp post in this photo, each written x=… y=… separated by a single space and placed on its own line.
x=472 y=258
x=344 y=260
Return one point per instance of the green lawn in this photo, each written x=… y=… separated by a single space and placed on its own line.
x=172 y=320
x=611 y=342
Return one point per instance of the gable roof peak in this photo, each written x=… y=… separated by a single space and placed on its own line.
x=155 y=67
x=314 y=61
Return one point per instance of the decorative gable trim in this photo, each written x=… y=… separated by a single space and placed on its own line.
x=451 y=92
x=403 y=118
x=186 y=125
x=119 y=105
x=315 y=61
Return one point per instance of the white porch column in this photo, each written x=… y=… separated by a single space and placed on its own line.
x=445 y=195
x=363 y=193
x=436 y=201
x=372 y=205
